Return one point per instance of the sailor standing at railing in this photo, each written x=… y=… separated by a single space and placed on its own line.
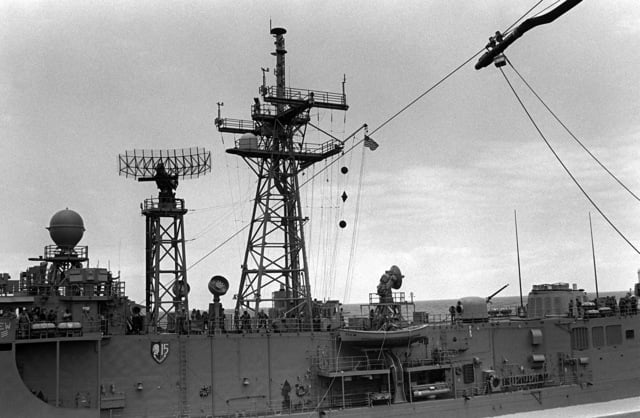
x=245 y=319
x=262 y=320
x=23 y=323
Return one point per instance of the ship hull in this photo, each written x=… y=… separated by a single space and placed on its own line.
x=316 y=373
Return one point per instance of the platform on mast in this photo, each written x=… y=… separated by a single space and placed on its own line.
x=293 y=96
x=305 y=153
x=236 y=126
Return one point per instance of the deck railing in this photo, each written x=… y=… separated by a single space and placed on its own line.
x=63 y=329
x=352 y=363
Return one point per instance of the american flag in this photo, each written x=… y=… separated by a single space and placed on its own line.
x=370 y=143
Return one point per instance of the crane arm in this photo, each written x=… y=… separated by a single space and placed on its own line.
x=502 y=44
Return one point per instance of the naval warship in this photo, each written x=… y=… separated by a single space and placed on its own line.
x=73 y=344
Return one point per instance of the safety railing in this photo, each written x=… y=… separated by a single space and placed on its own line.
x=62 y=329
x=317 y=97
x=53 y=251
x=163 y=204
x=298 y=148
x=235 y=125
x=257 y=325
x=351 y=363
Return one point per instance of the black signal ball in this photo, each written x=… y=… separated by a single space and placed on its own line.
x=344 y=170
x=342 y=224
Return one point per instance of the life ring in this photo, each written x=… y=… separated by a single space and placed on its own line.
x=301 y=390
x=495 y=384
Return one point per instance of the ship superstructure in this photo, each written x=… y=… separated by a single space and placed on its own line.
x=73 y=345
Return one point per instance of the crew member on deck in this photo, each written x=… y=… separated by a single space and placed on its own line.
x=182 y=321
x=571 y=307
x=262 y=320
x=245 y=320
x=452 y=312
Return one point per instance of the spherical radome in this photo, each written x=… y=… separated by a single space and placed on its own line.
x=66 y=228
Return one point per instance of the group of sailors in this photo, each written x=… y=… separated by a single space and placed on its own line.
x=628 y=305
x=244 y=322
x=455 y=312
x=201 y=322
x=39 y=321
x=286 y=322
x=37 y=314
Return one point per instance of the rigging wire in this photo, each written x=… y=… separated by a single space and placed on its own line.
x=525 y=15
x=207 y=208
x=566 y=169
x=572 y=135
x=452 y=72
x=395 y=115
x=354 y=228
x=417 y=99
x=333 y=379
x=353 y=134
x=232 y=189
x=333 y=247
x=414 y=101
x=547 y=8
x=219 y=245
x=211 y=225
x=354 y=236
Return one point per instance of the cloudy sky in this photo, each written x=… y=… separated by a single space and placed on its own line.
x=82 y=81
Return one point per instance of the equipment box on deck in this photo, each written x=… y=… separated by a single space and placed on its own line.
x=421 y=317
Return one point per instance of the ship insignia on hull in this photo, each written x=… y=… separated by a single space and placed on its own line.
x=159 y=351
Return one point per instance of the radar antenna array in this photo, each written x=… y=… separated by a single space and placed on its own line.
x=167 y=288
x=183 y=163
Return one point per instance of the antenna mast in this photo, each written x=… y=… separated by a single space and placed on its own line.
x=515 y=222
x=593 y=254
x=273 y=145
x=167 y=288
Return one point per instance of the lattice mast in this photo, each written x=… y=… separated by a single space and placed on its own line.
x=167 y=288
x=273 y=144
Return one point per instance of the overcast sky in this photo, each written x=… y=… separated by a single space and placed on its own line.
x=82 y=81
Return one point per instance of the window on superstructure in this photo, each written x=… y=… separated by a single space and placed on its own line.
x=614 y=335
x=630 y=334
x=468 y=375
x=597 y=336
x=579 y=338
